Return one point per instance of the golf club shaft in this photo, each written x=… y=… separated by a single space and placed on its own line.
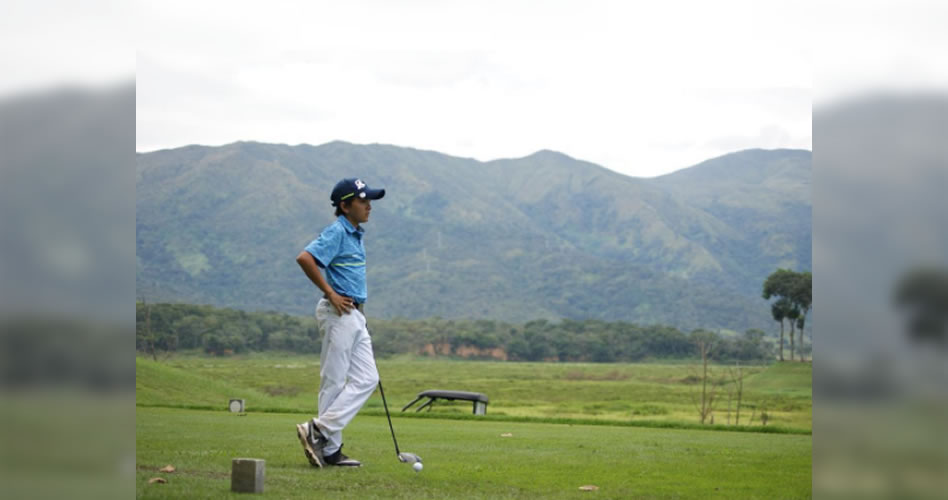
x=389 y=417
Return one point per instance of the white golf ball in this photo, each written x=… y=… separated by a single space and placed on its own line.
x=417 y=466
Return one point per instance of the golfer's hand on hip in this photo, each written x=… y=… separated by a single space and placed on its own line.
x=342 y=304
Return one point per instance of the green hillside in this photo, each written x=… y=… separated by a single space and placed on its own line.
x=770 y=205
x=545 y=236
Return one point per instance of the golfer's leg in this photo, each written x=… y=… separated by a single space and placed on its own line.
x=339 y=333
x=363 y=377
x=363 y=374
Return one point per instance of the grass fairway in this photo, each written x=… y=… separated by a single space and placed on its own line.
x=614 y=392
x=549 y=408
x=468 y=459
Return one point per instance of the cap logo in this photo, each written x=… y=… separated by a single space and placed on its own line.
x=359 y=184
x=362 y=194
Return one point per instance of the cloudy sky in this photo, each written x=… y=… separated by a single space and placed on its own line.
x=640 y=89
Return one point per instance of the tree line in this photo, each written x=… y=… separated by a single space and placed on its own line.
x=166 y=328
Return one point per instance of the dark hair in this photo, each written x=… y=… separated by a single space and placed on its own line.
x=347 y=203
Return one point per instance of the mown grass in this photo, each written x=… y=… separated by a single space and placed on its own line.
x=643 y=394
x=572 y=424
x=468 y=459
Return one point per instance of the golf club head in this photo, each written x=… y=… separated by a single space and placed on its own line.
x=408 y=458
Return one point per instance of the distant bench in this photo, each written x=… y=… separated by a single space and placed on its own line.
x=480 y=400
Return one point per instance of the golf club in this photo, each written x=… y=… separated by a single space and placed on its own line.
x=408 y=458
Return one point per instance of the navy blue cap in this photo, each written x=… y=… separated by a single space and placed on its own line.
x=348 y=188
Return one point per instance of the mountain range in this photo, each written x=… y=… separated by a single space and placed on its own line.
x=544 y=236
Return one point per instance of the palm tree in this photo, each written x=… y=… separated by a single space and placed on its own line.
x=793 y=314
x=794 y=295
x=802 y=292
x=779 y=310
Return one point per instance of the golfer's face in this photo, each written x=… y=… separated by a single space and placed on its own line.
x=359 y=210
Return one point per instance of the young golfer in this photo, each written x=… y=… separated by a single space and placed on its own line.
x=348 y=375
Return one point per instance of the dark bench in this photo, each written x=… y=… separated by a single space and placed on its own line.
x=480 y=400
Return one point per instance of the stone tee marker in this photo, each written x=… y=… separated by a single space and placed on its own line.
x=236 y=405
x=246 y=475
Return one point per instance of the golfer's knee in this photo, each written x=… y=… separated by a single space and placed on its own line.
x=332 y=382
x=369 y=382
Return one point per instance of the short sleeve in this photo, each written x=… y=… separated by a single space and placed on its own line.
x=326 y=247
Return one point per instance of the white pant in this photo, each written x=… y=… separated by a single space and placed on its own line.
x=347 y=374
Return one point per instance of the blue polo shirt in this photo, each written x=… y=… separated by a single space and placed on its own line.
x=339 y=250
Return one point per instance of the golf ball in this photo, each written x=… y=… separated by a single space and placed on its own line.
x=417 y=466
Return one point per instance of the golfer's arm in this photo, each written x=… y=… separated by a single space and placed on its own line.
x=311 y=268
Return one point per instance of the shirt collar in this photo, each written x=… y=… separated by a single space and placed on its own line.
x=349 y=227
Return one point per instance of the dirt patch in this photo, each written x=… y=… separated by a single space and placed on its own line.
x=464 y=351
x=468 y=351
x=442 y=349
x=186 y=472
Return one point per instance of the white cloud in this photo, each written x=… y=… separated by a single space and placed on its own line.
x=640 y=90
x=50 y=43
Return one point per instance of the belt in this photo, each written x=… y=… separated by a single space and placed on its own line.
x=356 y=304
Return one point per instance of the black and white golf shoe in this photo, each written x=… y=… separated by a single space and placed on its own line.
x=312 y=441
x=340 y=459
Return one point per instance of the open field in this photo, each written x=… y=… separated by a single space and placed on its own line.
x=571 y=425
x=468 y=459
x=613 y=393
